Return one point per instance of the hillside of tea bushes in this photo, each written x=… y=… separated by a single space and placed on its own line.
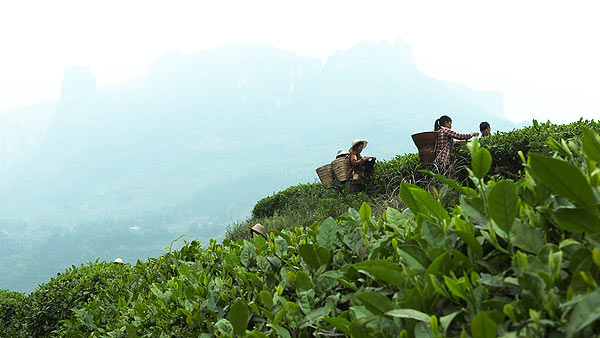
x=303 y=204
x=516 y=255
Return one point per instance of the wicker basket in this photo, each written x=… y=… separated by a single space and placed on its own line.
x=342 y=169
x=425 y=142
x=326 y=175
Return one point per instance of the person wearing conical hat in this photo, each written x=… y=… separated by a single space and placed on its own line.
x=359 y=165
x=258 y=229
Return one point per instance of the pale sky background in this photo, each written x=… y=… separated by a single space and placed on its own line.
x=543 y=55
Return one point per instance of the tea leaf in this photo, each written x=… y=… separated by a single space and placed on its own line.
x=502 y=204
x=383 y=269
x=591 y=144
x=483 y=326
x=327 y=233
x=585 y=313
x=375 y=302
x=481 y=162
x=238 y=316
x=410 y=314
x=564 y=179
x=577 y=220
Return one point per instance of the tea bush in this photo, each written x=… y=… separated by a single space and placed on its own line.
x=12 y=312
x=513 y=259
x=288 y=207
x=54 y=301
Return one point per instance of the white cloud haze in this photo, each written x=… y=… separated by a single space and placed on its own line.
x=543 y=55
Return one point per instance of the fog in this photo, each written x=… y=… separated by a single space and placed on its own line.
x=189 y=147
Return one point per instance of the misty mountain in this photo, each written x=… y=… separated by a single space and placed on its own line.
x=196 y=141
x=240 y=118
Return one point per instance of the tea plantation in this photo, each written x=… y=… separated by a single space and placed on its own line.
x=506 y=245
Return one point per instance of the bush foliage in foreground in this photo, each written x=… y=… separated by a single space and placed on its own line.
x=514 y=259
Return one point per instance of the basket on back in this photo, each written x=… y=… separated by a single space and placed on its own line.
x=325 y=174
x=342 y=169
x=425 y=143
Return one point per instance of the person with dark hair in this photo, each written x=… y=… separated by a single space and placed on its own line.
x=446 y=139
x=359 y=165
x=485 y=129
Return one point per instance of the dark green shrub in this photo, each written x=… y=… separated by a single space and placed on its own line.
x=504 y=146
x=12 y=314
x=55 y=301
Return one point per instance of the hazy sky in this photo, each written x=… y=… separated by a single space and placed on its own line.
x=543 y=55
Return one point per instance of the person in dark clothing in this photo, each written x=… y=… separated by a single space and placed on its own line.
x=485 y=129
x=359 y=165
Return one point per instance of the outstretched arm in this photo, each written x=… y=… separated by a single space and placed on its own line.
x=460 y=136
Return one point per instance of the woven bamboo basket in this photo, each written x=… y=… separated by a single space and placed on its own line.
x=342 y=169
x=425 y=143
x=325 y=174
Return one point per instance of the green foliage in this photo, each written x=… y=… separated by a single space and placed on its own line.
x=499 y=264
x=511 y=259
x=505 y=146
x=303 y=204
x=12 y=313
x=54 y=301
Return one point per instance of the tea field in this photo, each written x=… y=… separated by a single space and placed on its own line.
x=503 y=245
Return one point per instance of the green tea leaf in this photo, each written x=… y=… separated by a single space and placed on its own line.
x=339 y=323
x=483 y=326
x=376 y=302
x=577 y=220
x=481 y=162
x=383 y=269
x=410 y=314
x=525 y=237
x=238 y=316
x=303 y=281
x=327 y=233
x=455 y=288
x=502 y=204
x=394 y=217
x=585 y=313
x=591 y=144
x=431 y=206
x=408 y=199
x=446 y=320
x=414 y=256
x=257 y=334
x=471 y=242
x=564 y=179
x=280 y=330
x=365 y=212
x=224 y=326
x=309 y=254
x=359 y=328
x=473 y=207
x=266 y=298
